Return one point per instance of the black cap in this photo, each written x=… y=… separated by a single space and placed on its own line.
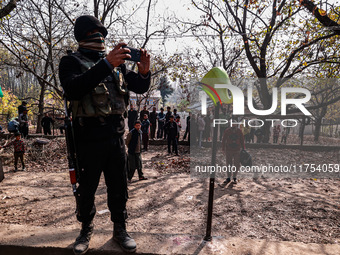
x=87 y=23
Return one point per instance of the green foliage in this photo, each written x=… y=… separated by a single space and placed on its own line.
x=9 y=104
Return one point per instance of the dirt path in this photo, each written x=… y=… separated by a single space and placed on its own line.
x=170 y=201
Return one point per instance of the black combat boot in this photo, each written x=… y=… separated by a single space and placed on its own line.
x=123 y=238
x=82 y=242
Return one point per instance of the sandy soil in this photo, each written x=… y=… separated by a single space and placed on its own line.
x=170 y=201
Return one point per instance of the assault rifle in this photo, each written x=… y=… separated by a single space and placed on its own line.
x=71 y=153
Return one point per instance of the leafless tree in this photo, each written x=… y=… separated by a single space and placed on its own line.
x=270 y=33
x=35 y=35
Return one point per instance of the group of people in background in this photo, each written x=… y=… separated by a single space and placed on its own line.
x=166 y=125
x=151 y=125
x=20 y=124
x=159 y=125
x=250 y=133
x=19 y=127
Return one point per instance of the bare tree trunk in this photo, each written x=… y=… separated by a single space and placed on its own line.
x=41 y=107
x=317 y=129
x=266 y=100
x=266 y=130
x=318 y=123
x=302 y=130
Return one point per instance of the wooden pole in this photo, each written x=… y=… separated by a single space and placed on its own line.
x=212 y=178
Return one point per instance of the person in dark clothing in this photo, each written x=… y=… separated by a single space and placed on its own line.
x=161 y=122
x=14 y=126
x=153 y=123
x=187 y=129
x=232 y=143
x=145 y=131
x=23 y=121
x=193 y=130
x=22 y=107
x=167 y=118
x=252 y=134
x=134 y=144
x=46 y=123
x=175 y=114
x=276 y=133
x=98 y=85
x=259 y=135
x=60 y=124
x=143 y=112
x=172 y=130
x=207 y=127
x=201 y=127
x=132 y=117
x=168 y=114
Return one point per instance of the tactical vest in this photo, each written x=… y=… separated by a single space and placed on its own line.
x=109 y=97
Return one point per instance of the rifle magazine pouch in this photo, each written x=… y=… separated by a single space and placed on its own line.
x=100 y=100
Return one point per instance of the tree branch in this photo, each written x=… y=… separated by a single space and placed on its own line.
x=321 y=16
x=8 y=8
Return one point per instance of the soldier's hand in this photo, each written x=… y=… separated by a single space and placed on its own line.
x=144 y=64
x=118 y=54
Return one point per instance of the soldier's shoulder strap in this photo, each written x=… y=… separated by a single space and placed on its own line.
x=84 y=62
